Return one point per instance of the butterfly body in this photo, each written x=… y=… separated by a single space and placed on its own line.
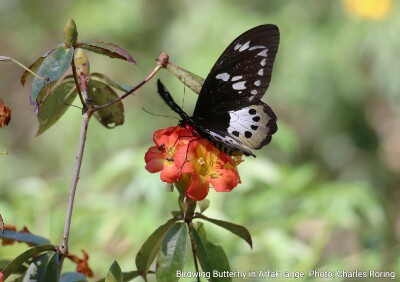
x=229 y=111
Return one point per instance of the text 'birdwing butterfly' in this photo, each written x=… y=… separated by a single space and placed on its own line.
x=229 y=111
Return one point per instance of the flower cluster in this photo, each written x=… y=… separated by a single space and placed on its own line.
x=181 y=155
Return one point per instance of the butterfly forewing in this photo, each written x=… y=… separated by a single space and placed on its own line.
x=242 y=73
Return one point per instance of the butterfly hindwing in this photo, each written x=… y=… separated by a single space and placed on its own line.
x=242 y=73
x=243 y=129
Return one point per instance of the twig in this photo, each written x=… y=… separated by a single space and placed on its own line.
x=85 y=122
x=78 y=88
x=150 y=76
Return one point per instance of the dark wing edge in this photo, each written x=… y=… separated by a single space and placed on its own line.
x=242 y=73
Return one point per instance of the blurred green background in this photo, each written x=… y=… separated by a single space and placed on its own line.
x=323 y=195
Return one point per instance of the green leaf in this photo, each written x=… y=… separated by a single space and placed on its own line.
x=25 y=237
x=150 y=248
x=126 y=276
x=194 y=82
x=211 y=257
x=238 y=230
x=108 y=49
x=16 y=263
x=172 y=254
x=54 y=107
x=105 y=79
x=114 y=273
x=44 y=268
x=52 y=68
x=53 y=268
x=73 y=277
x=101 y=94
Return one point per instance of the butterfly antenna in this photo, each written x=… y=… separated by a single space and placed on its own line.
x=153 y=114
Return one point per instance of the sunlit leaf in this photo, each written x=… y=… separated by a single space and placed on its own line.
x=150 y=248
x=43 y=268
x=114 y=273
x=211 y=257
x=194 y=82
x=24 y=236
x=52 y=68
x=126 y=276
x=54 y=107
x=103 y=78
x=73 y=277
x=101 y=94
x=108 y=49
x=16 y=263
x=34 y=67
x=236 y=229
x=172 y=254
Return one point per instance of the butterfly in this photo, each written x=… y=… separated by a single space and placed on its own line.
x=229 y=111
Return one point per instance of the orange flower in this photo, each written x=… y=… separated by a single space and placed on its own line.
x=181 y=155
x=370 y=9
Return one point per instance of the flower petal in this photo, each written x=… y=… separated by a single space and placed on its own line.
x=154 y=159
x=198 y=187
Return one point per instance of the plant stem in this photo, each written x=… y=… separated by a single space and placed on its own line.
x=196 y=266
x=150 y=76
x=85 y=122
x=78 y=88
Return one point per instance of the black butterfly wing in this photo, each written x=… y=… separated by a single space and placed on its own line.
x=242 y=73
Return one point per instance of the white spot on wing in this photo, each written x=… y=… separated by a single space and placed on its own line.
x=257 y=83
x=261 y=72
x=223 y=76
x=244 y=46
x=239 y=85
x=237 y=46
x=257 y=47
x=253 y=92
x=237 y=77
x=263 y=62
x=263 y=53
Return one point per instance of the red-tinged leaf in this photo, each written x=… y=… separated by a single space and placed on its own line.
x=150 y=248
x=105 y=79
x=5 y=115
x=108 y=49
x=194 y=82
x=34 y=67
x=211 y=257
x=57 y=103
x=43 y=268
x=238 y=230
x=16 y=263
x=172 y=255
x=73 y=277
x=52 y=68
x=82 y=264
x=101 y=94
x=23 y=236
x=1 y=277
